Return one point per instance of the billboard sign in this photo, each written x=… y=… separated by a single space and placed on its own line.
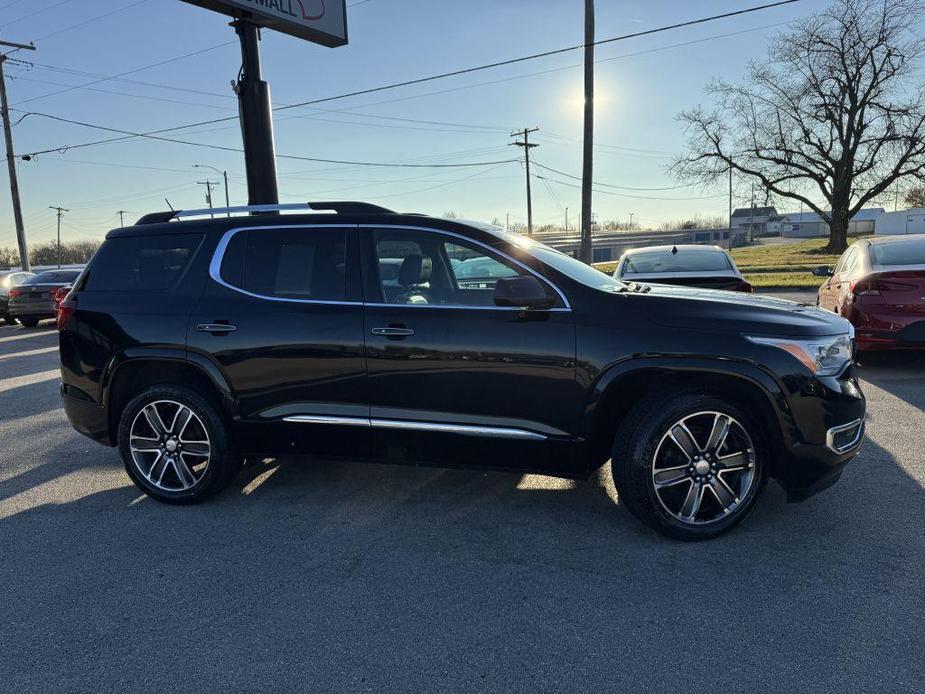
x=318 y=21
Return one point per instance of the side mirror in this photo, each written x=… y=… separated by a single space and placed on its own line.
x=522 y=292
x=822 y=271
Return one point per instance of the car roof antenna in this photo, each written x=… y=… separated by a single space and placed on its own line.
x=169 y=205
x=674 y=249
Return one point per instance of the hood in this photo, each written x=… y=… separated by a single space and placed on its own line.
x=706 y=309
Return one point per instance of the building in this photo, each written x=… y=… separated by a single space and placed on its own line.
x=902 y=222
x=757 y=221
x=608 y=246
x=809 y=225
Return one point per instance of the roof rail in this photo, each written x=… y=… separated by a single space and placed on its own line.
x=342 y=207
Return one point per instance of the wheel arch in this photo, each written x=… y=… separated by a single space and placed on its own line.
x=134 y=370
x=623 y=384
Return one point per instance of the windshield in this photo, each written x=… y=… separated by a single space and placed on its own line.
x=653 y=262
x=566 y=264
x=905 y=252
x=55 y=277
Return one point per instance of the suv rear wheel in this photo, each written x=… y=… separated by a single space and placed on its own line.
x=175 y=446
x=690 y=465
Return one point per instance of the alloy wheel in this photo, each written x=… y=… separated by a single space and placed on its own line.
x=703 y=469
x=170 y=445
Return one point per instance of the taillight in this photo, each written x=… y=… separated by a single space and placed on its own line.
x=60 y=295
x=744 y=286
x=65 y=310
x=872 y=286
x=14 y=293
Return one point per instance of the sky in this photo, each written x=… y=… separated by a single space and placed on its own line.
x=180 y=60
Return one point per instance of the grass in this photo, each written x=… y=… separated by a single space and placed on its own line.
x=785 y=265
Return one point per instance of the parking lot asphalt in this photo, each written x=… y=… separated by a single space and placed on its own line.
x=315 y=576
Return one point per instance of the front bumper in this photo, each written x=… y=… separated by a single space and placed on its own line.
x=829 y=415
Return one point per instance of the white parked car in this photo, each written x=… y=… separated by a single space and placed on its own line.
x=710 y=267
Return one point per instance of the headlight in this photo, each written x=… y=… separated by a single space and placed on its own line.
x=824 y=356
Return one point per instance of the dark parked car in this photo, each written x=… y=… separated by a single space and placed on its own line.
x=709 y=267
x=35 y=299
x=192 y=344
x=879 y=285
x=10 y=279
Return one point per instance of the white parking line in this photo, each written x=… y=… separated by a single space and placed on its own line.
x=28 y=379
x=24 y=336
x=29 y=353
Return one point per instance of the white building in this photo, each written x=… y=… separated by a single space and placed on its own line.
x=808 y=225
x=902 y=222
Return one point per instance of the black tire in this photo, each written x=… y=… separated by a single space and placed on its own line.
x=637 y=444
x=29 y=321
x=223 y=465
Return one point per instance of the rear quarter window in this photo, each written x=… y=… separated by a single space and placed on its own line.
x=149 y=263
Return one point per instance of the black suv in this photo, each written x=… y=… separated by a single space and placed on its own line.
x=354 y=332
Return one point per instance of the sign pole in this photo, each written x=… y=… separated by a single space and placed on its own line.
x=256 y=119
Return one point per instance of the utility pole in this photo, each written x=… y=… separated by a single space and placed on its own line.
x=587 y=169
x=566 y=220
x=121 y=218
x=208 y=185
x=632 y=214
x=507 y=221
x=224 y=175
x=256 y=119
x=60 y=211
x=525 y=133
x=751 y=217
x=11 y=157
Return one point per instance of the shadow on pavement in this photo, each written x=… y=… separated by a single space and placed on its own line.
x=358 y=577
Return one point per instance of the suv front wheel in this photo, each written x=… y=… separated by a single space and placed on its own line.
x=175 y=446
x=690 y=465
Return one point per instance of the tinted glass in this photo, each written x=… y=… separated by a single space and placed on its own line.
x=655 y=262
x=146 y=263
x=905 y=252
x=296 y=263
x=566 y=264
x=417 y=267
x=55 y=277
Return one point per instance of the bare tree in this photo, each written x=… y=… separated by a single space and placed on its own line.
x=831 y=119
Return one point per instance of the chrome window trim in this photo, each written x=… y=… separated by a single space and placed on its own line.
x=831 y=433
x=215 y=266
x=413 y=425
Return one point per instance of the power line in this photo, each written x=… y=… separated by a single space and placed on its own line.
x=235 y=149
x=627 y=195
x=91 y=20
x=420 y=80
x=129 y=72
x=606 y=185
x=32 y=14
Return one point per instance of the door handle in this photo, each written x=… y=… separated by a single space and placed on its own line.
x=216 y=328
x=393 y=332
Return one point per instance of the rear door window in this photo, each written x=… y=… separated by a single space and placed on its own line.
x=298 y=263
x=149 y=263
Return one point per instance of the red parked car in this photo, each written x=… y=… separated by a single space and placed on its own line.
x=879 y=285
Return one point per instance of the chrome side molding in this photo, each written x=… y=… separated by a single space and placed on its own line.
x=410 y=425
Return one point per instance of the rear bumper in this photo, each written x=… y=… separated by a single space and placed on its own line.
x=86 y=416
x=44 y=309
x=910 y=337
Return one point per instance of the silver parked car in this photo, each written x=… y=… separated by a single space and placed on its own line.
x=709 y=267
x=34 y=300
